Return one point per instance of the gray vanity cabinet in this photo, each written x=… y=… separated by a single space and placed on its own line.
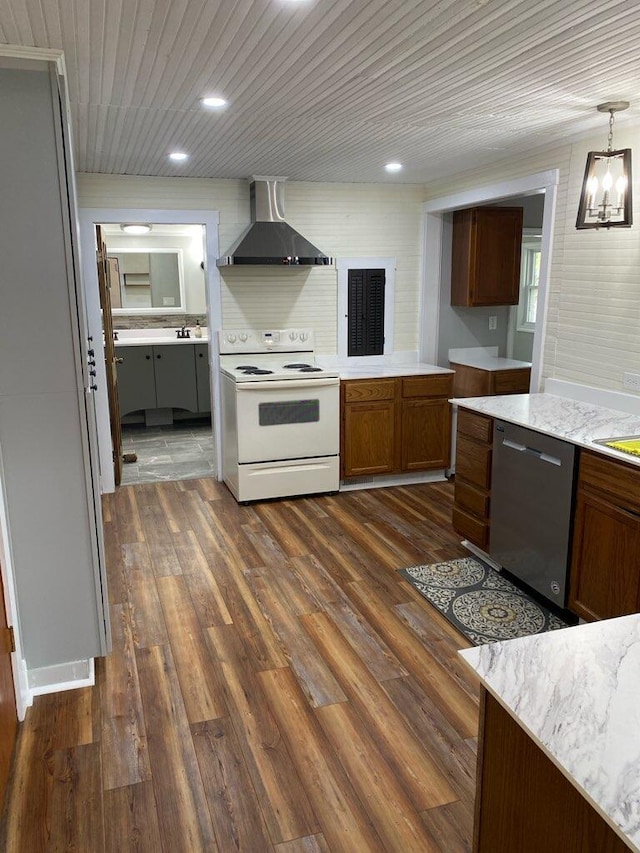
x=136 y=381
x=202 y=377
x=169 y=376
x=175 y=377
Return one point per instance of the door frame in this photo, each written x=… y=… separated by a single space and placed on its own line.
x=434 y=210
x=88 y=218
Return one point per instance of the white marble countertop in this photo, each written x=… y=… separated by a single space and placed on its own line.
x=571 y=420
x=490 y=362
x=148 y=337
x=576 y=692
x=391 y=370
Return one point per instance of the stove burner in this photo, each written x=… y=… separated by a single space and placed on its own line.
x=295 y=366
x=246 y=367
x=256 y=371
x=309 y=369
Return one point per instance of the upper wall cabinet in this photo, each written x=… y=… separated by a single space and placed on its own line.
x=485 y=264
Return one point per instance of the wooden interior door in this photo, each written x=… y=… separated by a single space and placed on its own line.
x=8 y=712
x=109 y=354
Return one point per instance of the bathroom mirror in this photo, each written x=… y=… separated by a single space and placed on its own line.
x=159 y=272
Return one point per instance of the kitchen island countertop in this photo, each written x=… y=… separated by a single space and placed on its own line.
x=576 y=693
x=580 y=423
x=490 y=362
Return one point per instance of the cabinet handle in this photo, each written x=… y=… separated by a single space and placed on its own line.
x=120 y=360
x=158 y=356
x=148 y=357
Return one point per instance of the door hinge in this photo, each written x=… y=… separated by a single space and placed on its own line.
x=7 y=640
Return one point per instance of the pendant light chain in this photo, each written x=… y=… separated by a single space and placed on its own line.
x=610 y=138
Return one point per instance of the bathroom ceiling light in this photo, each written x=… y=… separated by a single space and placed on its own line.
x=135 y=229
x=393 y=167
x=213 y=102
x=605 y=200
x=178 y=156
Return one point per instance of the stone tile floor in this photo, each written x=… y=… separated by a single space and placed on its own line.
x=181 y=451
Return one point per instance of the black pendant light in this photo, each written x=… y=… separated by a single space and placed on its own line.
x=605 y=201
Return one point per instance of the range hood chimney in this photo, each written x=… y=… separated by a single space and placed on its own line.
x=269 y=240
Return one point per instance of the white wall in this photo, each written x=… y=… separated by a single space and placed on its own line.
x=343 y=220
x=593 y=331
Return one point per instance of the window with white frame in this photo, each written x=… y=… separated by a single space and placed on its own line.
x=529 y=281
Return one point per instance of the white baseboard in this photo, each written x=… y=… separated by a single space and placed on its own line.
x=61 y=676
x=381 y=480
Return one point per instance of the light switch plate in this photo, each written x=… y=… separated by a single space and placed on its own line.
x=493 y=323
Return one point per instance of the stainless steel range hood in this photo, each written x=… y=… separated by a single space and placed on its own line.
x=269 y=240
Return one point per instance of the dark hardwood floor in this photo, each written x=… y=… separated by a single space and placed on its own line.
x=274 y=685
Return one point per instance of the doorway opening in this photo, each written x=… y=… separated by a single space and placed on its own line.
x=437 y=233
x=164 y=304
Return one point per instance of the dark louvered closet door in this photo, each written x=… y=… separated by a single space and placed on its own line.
x=366 y=312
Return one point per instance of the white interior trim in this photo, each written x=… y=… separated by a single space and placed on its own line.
x=343 y=265
x=88 y=219
x=61 y=676
x=434 y=210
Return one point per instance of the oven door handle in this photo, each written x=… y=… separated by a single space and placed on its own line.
x=265 y=385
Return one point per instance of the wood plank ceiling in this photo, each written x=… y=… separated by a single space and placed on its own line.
x=330 y=90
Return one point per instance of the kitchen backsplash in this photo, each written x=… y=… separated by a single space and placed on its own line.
x=157 y=321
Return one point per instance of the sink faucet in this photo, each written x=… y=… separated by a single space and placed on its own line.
x=183 y=332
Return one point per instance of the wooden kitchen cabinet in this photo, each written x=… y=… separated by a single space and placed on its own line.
x=605 y=565
x=476 y=382
x=472 y=495
x=395 y=425
x=485 y=262
x=524 y=803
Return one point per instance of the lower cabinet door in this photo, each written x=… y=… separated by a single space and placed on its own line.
x=202 y=377
x=175 y=377
x=136 y=383
x=605 y=568
x=369 y=438
x=426 y=436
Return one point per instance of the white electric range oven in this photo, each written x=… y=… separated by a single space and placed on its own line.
x=280 y=415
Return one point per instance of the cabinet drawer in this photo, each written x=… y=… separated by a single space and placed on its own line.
x=477 y=426
x=512 y=381
x=470 y=498
x=471 y=528
x=620 y=481
x=473 y=462
x=427 y=386
x=365 y=390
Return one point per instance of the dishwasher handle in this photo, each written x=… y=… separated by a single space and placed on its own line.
x=523 y=448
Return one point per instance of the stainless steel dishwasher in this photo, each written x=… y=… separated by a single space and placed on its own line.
x=531 y=494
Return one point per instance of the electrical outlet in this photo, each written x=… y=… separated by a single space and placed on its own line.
x=493 y=323
x=631 y=381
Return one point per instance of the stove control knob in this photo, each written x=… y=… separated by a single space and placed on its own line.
x=293 y=336
x=303 y=336
x=231 y=339
x=242 y=337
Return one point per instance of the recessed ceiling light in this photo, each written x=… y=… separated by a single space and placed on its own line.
x=178 y=156
x=213 y=102
x=393 y=167
x=136 y=229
